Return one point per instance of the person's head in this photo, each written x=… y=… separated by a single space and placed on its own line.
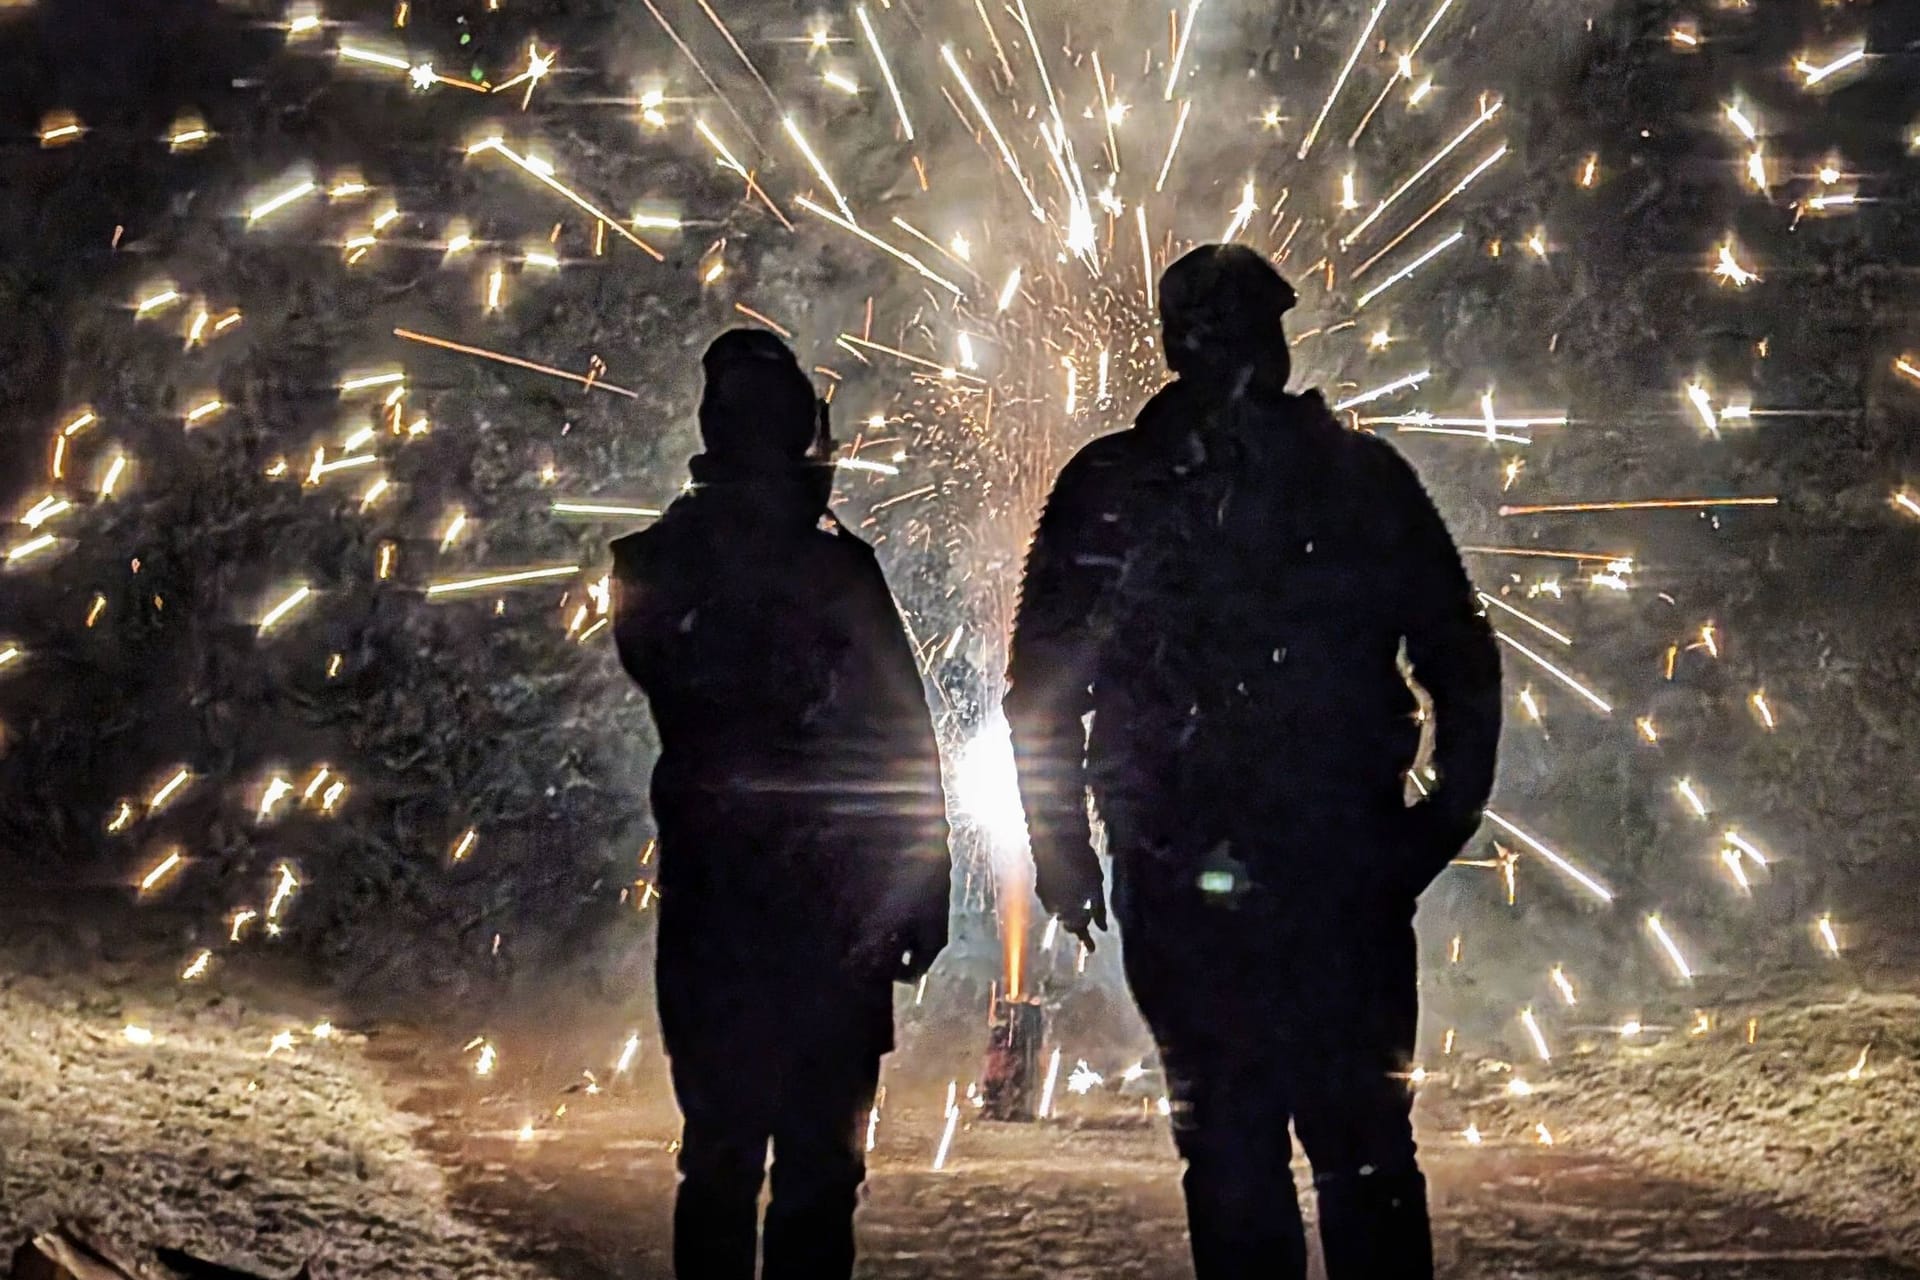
x=1220 y=313
x=758 y=410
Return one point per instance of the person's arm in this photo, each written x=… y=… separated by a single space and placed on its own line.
x=1455 y=658
x=917 y=864
x=1050 y=672
x=635 y=609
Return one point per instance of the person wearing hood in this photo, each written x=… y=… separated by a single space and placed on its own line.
x=1234 y=590
x=803 y=860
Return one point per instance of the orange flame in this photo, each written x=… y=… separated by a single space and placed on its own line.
x=1016 y=895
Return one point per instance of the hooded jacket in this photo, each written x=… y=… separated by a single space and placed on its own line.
x=1228 y=588
x=797 y=793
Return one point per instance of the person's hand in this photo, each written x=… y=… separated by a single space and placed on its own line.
x=1072 y=889
x=1082 y=920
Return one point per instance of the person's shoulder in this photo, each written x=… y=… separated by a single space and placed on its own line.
x=1119 y=451
x=1311 y=411
x=1103 y=453
x=647 y=551
x=834 y=538
x=630 y=553
x=838 y=551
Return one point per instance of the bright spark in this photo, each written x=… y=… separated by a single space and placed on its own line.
x=1534 y=1034
x=500 y=580
x=1599 y=704
x=1740 y=842
x=1527 y=618
x=1729 y=270
x=169 y=789
x=946 y=1139
x=886 y=71
x=1340 y=82
x=855 y=229
x=274 y=204
x=161 y=870
x=1487 y=113
x=1381 y=392
x=604 y=509
x=542 y=172
x=155 y=301
x=283 y=889
x=1671 y=948
x=1173 y=143
x=1815 y=75
x=1180 y=49
x=1564 y=984
x=1691 y=794
x=1703 y=405
x=1559 y=862
x=1410 y=268
x=293 y=601
x=1046 y=1089
x=628 y=1052
x=31 y=546
x=993 y=130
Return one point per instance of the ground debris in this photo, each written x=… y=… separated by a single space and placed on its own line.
x=207 y=1138
x=71 y=1253
x=188 y=1267
x=66 y=1254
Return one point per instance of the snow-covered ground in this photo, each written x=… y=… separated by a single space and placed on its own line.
x=208 y=1137
x=388 y=1154
x=1817 y=1100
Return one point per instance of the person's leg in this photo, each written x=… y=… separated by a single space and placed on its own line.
x=1229 y=1102
x=1353 y=1111
x=723 y=1155
x=726 y=1092
x=819 y=1161
x=1230 y=1125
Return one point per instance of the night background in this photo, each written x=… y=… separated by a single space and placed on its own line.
x=337 y=340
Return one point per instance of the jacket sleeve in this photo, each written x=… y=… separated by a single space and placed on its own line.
x=1051 y=668
x=916 y=862
x=636 y=609
x=1451 y=648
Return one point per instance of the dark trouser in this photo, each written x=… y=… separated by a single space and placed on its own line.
x=812 y=1106
x=1267 y=1012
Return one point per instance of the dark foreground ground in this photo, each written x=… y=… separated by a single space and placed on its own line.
x=1096 y=1196
x=239 y=1132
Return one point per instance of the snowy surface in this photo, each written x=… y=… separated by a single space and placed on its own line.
x=1095 y=1193
x=199 y=1140
x=1700 y=1156
x=1798 y=1110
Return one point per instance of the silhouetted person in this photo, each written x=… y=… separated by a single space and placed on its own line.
x=1228 y=587
x=803 y=842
